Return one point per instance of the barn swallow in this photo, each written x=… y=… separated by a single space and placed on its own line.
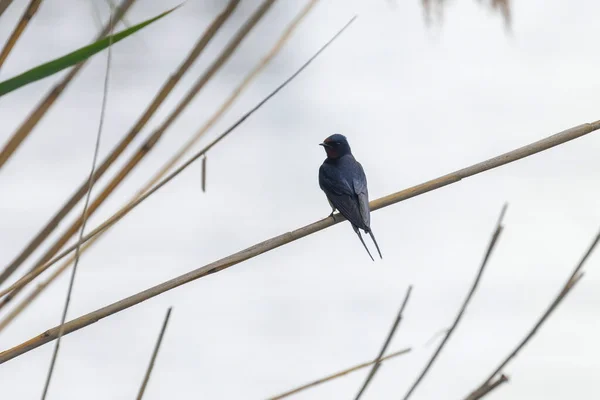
x=343 y=180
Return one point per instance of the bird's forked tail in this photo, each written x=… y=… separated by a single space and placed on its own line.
x=376 y=245
x=362 y=241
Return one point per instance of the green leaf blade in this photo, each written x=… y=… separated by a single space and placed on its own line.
x=73 y=58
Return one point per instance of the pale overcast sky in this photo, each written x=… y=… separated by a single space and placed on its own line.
x=415 y=102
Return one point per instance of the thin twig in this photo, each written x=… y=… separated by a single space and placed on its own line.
x=375 y=367
x=488 y=253
x=36 y=115
x=84 y=213
x=338 y=374
x=154 y=354
x=121 y=213
x=158 y=99
x=573 y=279
x=19 y=29
x=167 y=166
x=204 y=174
x=153 y=139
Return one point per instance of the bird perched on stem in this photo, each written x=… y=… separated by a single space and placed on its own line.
x=343 y=180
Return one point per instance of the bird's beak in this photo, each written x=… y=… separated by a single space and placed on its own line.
x=324 y=144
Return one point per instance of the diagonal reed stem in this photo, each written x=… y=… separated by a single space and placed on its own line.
x=19 y=29
x=375 y=366
x=84 y=215
x=486 y=257
x=154 y=354
x=573 y=279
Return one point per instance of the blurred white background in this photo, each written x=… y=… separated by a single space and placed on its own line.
x=415 y=102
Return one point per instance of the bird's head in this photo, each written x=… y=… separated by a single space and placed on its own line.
x=336 y=146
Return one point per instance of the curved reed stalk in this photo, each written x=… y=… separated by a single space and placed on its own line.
x=292 y=236
x=187 y=146
x=19 y=29
x=84 y=213
x=160 y=97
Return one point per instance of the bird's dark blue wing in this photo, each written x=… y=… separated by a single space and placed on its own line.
x=342 y=194
x=360 y=189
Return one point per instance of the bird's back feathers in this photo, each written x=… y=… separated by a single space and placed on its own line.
x=344 y=182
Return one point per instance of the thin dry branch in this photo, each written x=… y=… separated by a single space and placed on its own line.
x=160 y=97
x=486 y=257
x=151 y=142
x=165 y=168
x=338 y=374
x=84 y=214
x=32 y=120
x=204 y=174
x=289 y=237
x=154 y=354
x=124 y=211
x=575 y=276
x=386 y=343
x=19 y=29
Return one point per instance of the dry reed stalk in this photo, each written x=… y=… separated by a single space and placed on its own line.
x=84 y=213
x=149 y=144
x=486 y=257
x=121 y=213
x=338 y=375
x=573 y=279
x=289 y=237
x=19 y=29
x=285 y=36
x=386 y=343
x=204 y=174
x=32 y=120
x=160 y=97
x=154 y=354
